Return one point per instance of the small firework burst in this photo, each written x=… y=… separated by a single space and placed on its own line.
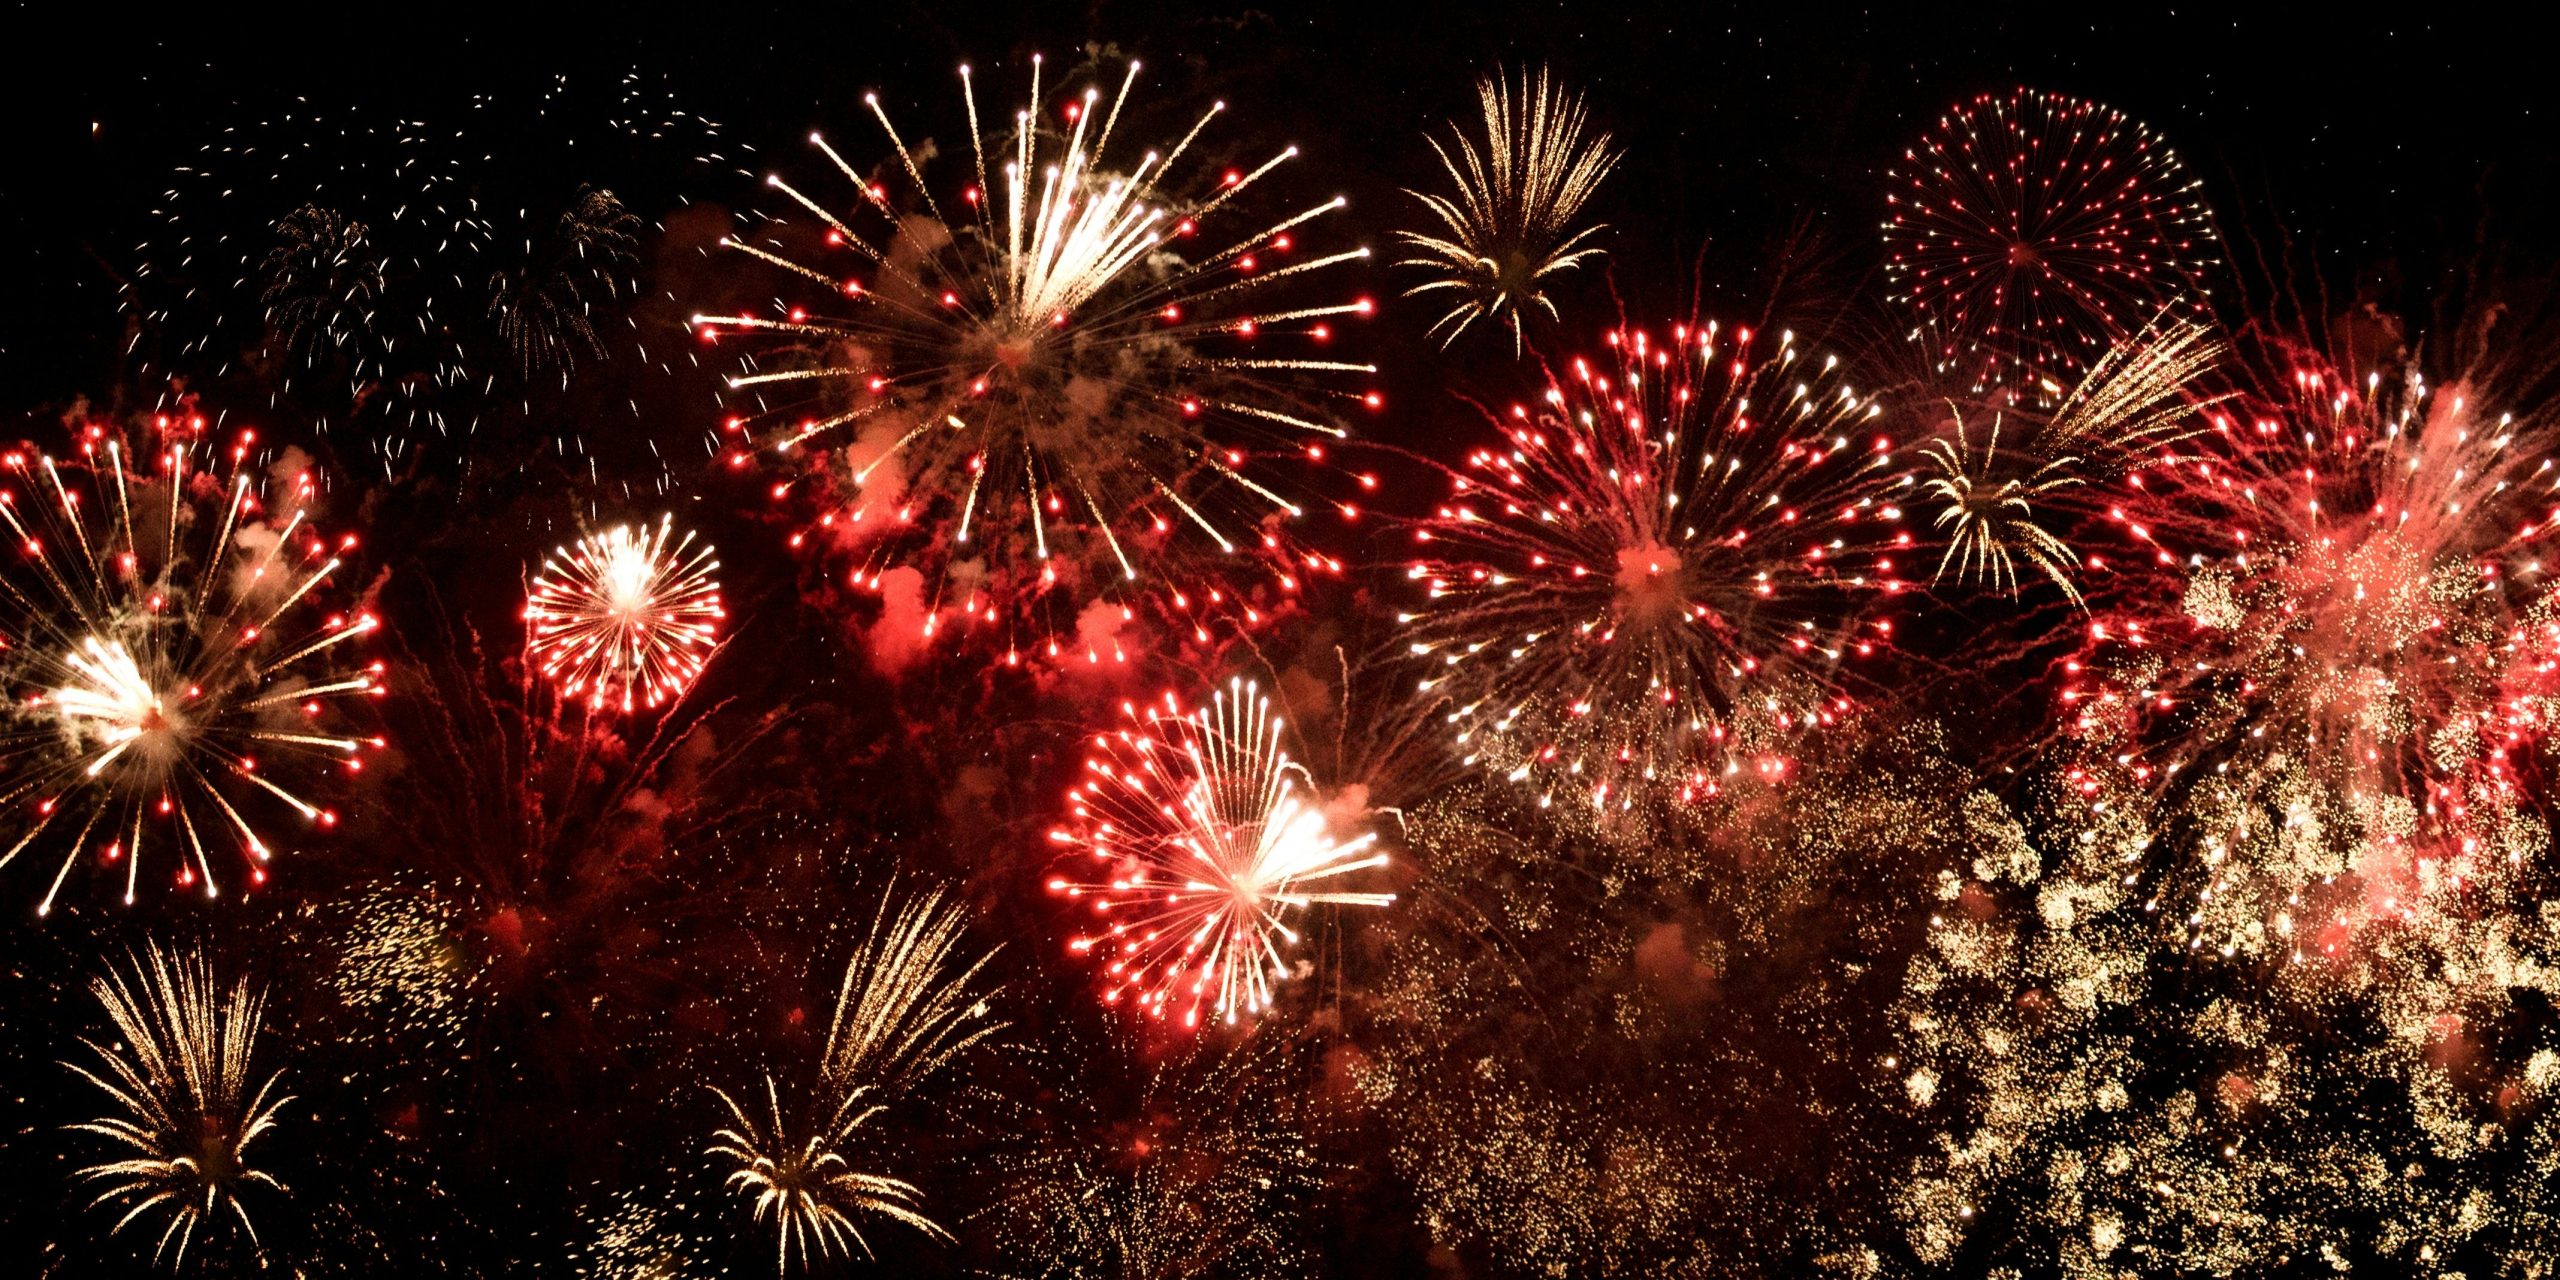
x=1204 y=845
x=1074 y=380
x=808 y=1187
x=2029 y=231
x=177 y=681
x=1996 y=493
x=1653 y=582
x=625 y=619
x=1515 y=218
x=185 y=1106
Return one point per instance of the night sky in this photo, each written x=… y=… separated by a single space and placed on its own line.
x=1680 y=1047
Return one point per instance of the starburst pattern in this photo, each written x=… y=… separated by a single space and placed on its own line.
x=175 y=687
x=1653 y=583
x=807 y=1187
x=1077 y=381
x=2030 y=231
x=625 y=619
x=1203 y=848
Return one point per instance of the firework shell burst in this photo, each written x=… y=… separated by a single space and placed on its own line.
x=180 y=686
x=1514 y=220
x=1652 y=585
x=625 y=619
x=2328 y=687
x=1069 y=372
x=184 y=1105
x=1196 y=842
x=2028 y=231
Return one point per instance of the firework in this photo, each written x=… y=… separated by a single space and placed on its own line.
x=407 y=273
x=1653 y=582
x=1075 y=380
x=1995 y=493
x=2323 y=699
x=1512 y=223
x=625 y=618
x=808 y=1189
x=2030 y=231
x=907 y=1009
x=185 y=1108
x=178 y=682
x=1215 y=1170
x=1204 y=846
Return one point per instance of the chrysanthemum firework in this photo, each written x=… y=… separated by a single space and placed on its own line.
x=1061 y=375
x=1515 y=218
x=179 y=682
x=1205 y=841
x=2029 y=231
x=2009 y=490
x=186 y=1105
x=2325 y=700
x=1654 y=582
x=625 y=619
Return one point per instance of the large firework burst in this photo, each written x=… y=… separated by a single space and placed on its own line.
x=185 y=1105
x=1513 y=220
x=2029 y=231
x=1073 y=380
x=625 y=619
x=1203 y=848
x=1654 y=581
x=2326 y=699
x=177 y=681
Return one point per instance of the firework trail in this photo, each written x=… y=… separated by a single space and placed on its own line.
x=1203 y=847
x=1058 y=380
x=1514 y=220
x=625 y=619
x=178 y=681
x=907 y=1009
x=185 y=1106
x=2030 y=231
x=1653 y=583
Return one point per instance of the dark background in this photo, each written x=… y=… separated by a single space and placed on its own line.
x=2370 y=132
x=2381 y=149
